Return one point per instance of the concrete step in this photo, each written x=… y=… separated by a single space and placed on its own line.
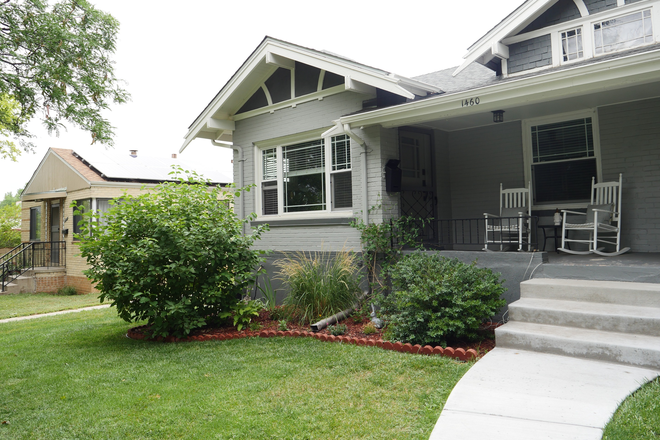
x=624 y=348
x=609 y=292
x=588 y=315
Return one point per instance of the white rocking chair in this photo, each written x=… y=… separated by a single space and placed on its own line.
x=602 y=221
x=511 y=226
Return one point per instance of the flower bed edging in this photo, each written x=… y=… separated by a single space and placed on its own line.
x=458 y=353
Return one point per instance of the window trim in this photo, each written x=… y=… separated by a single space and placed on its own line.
x=284 y=141
x=527 y=125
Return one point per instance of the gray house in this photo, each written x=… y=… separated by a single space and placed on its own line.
x=557 y=93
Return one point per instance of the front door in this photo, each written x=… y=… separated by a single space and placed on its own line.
x=417 y=186
x=54 y=228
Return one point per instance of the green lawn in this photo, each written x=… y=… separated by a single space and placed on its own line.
x=24 y=304
x=78 y=376
x=638 y=417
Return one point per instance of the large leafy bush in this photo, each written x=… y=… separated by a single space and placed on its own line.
x=176 y=257
x=436 y=298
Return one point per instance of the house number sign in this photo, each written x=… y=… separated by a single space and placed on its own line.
x=470 y=102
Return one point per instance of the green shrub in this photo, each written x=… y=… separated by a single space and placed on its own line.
x=175 y=257
x=67 y=291
x=320 y=284
x=242 y=312
x=435 y=298
x=369 y=329
x=337 y=330
x=282 y=326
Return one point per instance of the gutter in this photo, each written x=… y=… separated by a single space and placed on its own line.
x=241 y=161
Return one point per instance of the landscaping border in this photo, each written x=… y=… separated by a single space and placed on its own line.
x=454 y=353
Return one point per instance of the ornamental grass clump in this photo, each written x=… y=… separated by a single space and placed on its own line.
x=320 y=284
x=435 y=299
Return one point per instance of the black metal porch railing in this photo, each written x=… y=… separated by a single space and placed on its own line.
x=27 y=256
x=471 y=233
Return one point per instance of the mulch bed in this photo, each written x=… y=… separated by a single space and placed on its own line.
x=268 y=327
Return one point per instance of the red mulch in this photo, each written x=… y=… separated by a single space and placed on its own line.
x=354 y=334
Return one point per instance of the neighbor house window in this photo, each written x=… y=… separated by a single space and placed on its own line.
x=307 y=176
x=102 y=206
x=571 y=44
x=563 y=160
x=82 y=206
x=35 y=223
x=623 y=32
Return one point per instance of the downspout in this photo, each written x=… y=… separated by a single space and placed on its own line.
x=241 y=161
x=365 y=202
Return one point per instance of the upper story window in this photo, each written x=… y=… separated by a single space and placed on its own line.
x=307 y=176
x=35 y=223
x=563 y=154
x=623 y=32
x=571 y=44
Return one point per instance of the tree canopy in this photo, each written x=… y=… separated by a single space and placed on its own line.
x=55 y=64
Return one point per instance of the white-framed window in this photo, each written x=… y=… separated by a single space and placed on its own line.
x=562 y=154
x=308 y=176
x=571 y=44
x=623 y=32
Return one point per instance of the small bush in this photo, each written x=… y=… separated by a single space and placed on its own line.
x=67 y=291
x=369 y=329
x=281 y=325
x=320 y=285
x=337 y=330
x=435 y=298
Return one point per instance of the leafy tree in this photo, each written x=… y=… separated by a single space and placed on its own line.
x=175 y=257
x=10 y=220
x=55 y=61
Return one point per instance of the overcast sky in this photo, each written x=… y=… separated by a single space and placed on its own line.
x=175 y=57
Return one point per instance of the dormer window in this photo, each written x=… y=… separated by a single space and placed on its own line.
x=571 y=44
x=623 y=32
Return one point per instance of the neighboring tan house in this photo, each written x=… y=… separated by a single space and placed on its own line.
x=574 y=86
x=92 y=179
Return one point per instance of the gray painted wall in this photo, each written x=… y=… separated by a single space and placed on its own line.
x=304 y=117
x=530 y=54
x=560 y=12
x=595 y=6
x=630 y=144
x=479 y=159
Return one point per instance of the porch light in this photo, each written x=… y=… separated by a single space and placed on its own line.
x=498 y=116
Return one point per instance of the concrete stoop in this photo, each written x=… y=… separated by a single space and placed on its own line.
x=22 y=284
x=570 y=353
x=601 y=320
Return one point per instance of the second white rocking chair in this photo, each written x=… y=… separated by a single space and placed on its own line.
x=602 y=221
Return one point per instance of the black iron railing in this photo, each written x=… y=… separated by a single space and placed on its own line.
x=27 y=256
x=475 y=233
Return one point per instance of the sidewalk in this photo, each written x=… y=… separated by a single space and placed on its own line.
x=520 y=395
x=23 y=318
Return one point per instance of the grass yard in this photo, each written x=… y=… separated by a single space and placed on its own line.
x=78 y=376
x=24 y=304
x=638 y=417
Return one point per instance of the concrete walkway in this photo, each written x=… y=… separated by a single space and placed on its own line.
x=520 y=395
x=23 y=318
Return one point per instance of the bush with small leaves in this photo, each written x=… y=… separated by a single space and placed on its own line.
x=176 y=257
x=67 y=290
x=436 y=298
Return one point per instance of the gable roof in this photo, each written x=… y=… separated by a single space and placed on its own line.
x=62 y=170
x=216 y=122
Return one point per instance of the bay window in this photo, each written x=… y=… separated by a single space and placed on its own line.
x=308 y=176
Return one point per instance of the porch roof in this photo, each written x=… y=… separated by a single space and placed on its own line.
x=622 y=77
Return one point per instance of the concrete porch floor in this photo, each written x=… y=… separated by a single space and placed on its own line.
x=630 y=267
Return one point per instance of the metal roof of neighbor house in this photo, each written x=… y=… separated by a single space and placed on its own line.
x=98 y=165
